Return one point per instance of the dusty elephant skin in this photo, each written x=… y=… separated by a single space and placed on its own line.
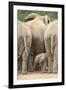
x=31 y=33
x=51 y=44
x=41 y=60
x=22 y=44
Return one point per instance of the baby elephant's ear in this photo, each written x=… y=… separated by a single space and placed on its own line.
x=30 y=17
x=46 y=19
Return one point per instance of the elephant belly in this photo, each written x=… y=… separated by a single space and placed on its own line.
x=38 y=45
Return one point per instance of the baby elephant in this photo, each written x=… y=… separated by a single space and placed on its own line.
x=41 y=62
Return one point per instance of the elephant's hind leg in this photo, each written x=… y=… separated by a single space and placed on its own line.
x=55 y=57
x=28 y=41
x=49 y=54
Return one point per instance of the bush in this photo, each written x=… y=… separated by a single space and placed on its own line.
x=21 y=14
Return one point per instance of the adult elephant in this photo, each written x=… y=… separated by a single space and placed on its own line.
x=23 y=45
x=51 y=44
x=33 y=32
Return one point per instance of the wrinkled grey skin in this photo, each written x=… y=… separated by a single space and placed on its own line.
x=31 y=33
x=51 y=44
x=41 y=62
x=24 y=43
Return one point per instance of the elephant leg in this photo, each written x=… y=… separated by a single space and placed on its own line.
x=30 y=63
x=27 y=44
x=20 y=50
x=43 y=68
x=55 y=63
x=49 y=54
x=19 y=64
x=55 y=59
x=24 y=63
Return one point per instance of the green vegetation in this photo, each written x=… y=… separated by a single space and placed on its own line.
x=21 y=14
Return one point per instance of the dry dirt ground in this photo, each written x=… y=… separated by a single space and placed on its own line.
x=36 y=75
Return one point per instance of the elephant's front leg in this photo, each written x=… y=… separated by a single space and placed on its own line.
x=43 y=68
x=49 y=54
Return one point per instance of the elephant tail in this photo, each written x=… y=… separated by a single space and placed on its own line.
x=25 y=45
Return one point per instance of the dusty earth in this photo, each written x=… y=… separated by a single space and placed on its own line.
x=36 y=75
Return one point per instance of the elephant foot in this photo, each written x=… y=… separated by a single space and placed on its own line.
x=30 y=70
x=19 y=71
x=24 y=72
x=55 y=71
x=43 y=71
x=50 y=71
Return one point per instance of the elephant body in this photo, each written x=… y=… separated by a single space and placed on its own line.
x=23 y=41
x=51 y=44
x=37 y=28
x=41 y=62
x=31 y=39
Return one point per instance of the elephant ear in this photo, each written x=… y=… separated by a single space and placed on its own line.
x=46 y=19
x=30 y=17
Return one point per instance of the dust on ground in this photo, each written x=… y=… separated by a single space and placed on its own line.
x=36 y=75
